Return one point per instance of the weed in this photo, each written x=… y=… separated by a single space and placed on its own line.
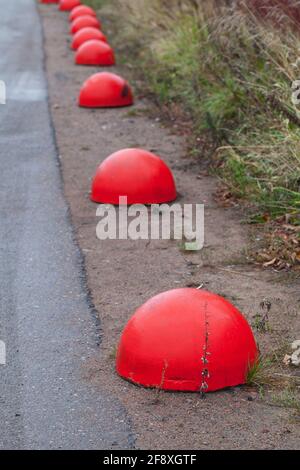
x=261 y=319
x=260 y=373
x=159 y=388
x=267 y=374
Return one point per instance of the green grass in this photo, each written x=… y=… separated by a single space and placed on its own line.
x=96 y=4
x=260 y=373
x=271 y=380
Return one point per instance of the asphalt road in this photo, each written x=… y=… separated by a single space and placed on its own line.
x=49 y=329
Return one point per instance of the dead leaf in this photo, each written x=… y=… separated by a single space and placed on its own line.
x=270 y=263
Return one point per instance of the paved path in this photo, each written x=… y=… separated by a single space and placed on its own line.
x=45 y=320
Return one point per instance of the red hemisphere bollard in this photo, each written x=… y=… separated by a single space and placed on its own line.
x=49 y=1
x=105 y=90
x=86 y=21
x=187 y=340
x=141 y=176
x=67 y=5
x=81 y=10
x=86 y=34
x=95 y=52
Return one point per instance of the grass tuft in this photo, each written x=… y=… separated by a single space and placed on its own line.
x=269 y=376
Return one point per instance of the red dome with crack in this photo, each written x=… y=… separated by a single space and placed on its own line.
x=86 y=34
x=81 y=10
x=141 y=176
x=95 y=52
x=187 y=340
x=67 y=5
x=105 y=90
x=86 y=21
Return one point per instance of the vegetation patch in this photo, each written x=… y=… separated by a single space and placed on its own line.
x=277 y=384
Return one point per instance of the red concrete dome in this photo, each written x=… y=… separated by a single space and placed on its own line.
x=86 y=34
x=86 y=21
x=67 y=5
x=81 y=10
x=187 y=340
x=105 y=90
x=140 y=175
x=95 y=52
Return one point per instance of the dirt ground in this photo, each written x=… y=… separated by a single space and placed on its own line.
x=121 y=275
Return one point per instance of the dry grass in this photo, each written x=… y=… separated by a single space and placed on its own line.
x=230 y=66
